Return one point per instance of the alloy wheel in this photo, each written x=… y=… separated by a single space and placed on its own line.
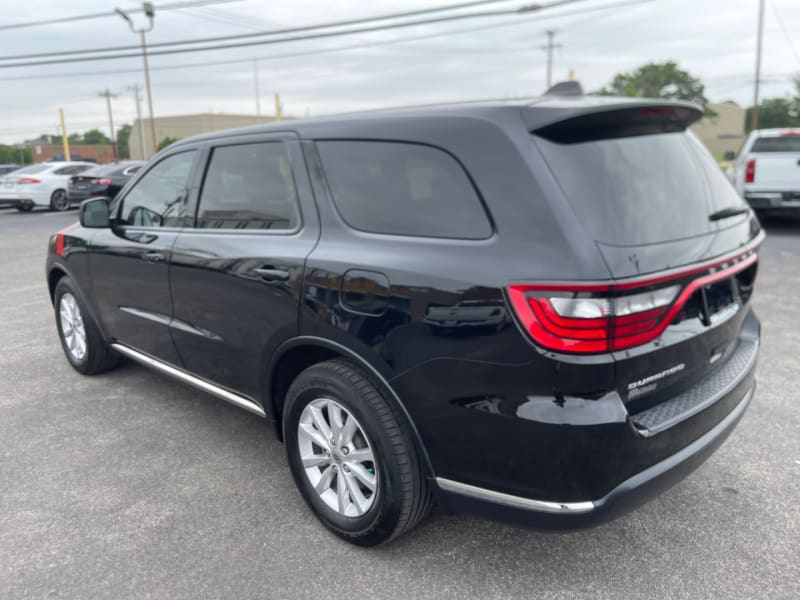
x=72 y=328
x=60 y=200
x=337 y=457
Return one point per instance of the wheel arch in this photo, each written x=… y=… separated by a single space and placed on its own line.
x=56 y=273
x=297 y=354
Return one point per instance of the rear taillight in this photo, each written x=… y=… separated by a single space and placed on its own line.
x=750 y=171
x=28 y=180
x=589 y=319
x=105 y=181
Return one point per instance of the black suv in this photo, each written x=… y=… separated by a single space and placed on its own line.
x=536 y=313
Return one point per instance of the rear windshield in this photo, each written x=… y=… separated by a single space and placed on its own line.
x=103 y=170
x=32 y=169
x=788 y=143
x=641 y=190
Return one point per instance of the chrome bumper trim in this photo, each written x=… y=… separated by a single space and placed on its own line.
x=185 y=377
x=464 y=489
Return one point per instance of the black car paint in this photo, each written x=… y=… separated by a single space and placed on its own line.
x=83 y=187
x=366 y=296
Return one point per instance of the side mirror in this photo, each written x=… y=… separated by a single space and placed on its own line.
x=729 y=155
x=94 y=213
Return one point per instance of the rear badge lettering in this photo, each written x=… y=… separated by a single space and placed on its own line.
x=656 y=377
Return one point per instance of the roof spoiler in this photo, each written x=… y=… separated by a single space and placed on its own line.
x=621 y=122
x=565 y=88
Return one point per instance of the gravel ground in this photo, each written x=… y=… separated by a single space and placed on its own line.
x=128 y=485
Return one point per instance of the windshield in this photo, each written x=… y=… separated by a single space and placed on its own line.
x=642 y=189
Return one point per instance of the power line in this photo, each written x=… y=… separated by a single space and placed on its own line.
x=86 y=17
x=304 y=28
x=785 y=33
x=371 y=44
x=289 y=39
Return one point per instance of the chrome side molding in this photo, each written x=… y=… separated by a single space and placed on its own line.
x=201 y=384
x=464 y=489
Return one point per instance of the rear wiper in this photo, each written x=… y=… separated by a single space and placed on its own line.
x=724 y=213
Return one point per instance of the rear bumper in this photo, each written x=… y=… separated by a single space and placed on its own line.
x=773 y=199
x=626 y=496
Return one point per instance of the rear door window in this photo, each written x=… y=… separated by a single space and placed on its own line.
x=786 y=143
x=402 y=189
x=642 y=189
x=249 y=186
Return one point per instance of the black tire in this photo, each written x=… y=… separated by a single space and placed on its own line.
x=403 y=497
x=25 y=208
x=98 y=357
x=59 y=201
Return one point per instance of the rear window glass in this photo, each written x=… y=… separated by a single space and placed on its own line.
x=788 y=143
x=402 y=189
x=641 y=190
x=32 y=169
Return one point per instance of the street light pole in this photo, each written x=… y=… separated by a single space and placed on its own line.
x=754 y=113
x=135 y=90
x=150 y=12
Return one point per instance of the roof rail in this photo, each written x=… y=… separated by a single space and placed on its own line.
x=565 y=88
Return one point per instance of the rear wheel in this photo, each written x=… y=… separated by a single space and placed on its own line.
x=59 y=200
x=351 y=456
x=81 y=340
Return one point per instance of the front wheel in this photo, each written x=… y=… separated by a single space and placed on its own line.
x=351 y=456
x=59 y=200
x=83 y=344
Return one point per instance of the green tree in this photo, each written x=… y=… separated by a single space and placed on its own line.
x=75 y=138
x=95 y=137
x=123 y=137
x=12 y=155
x=166 y=142
x=777 y=112
x=659 y=80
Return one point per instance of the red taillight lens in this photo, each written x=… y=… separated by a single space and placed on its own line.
x=104 y=181
x=28 y=180
x=750 y=171
x=588 y=319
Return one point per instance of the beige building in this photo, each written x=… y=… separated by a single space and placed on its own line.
x=182 y=126
x=723 y=132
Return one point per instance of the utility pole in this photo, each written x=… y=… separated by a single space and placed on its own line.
x=258 y=87
x=64 y=137
x=549 y=47
x=108 y=96
x=150 y=12
x=135 y=89
x=754 y=113
x=278 y=109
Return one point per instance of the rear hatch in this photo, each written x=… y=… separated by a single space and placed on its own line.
x=678 y=241
x=774 y=163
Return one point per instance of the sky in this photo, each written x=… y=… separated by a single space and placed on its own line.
x=474 y=59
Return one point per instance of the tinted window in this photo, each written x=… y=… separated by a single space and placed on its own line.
x=640 y=190
x=72 y=169
x=249 y=186
x=32 y=169
x=403 y=189
x=156 y=199
x=787 y=143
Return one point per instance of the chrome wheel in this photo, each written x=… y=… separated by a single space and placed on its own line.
x=59 y=200
x=337 y=457
x=72 y=328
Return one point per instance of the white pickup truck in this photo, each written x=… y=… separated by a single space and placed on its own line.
x=767 y=170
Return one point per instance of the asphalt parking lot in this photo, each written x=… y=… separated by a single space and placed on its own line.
x=128 y=485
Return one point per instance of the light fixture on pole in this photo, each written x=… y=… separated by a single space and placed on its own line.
x=150 y=13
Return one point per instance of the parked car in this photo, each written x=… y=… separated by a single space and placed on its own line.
x=290 y=270
x=42 y=184
x=766 y=172
x=6 y=169
x=104 y=180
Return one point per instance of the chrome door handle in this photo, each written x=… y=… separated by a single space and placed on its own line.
x=272 y=274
